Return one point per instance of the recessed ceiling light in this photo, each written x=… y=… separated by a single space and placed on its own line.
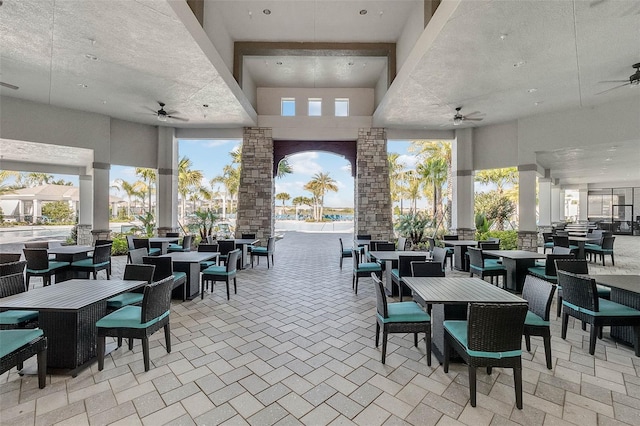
x=279 y=63
x=350 y=64
x=538 y=103
x=363 y=12
x=532 y=90
x=82 y=85
x=205 y=105
x=519 y=64
x=266 y=12
x=91 y=57
x=503 y=36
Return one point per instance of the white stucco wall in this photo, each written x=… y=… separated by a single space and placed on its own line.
x=361 y=101
x=215 y=28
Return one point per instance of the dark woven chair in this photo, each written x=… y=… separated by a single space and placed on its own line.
x=9 y=257
x=144 y=243
x=221 y=273
x=225 y=246
x=386 y=246
x=184 y=246
x=39 y=265
x=548 y=271
x=13 y=267
x=563 y=241
x=577 y=266
x=344 y=252
x=208 y=248
x=562 y=250
x=547 y=241
x=404 y=270
x=134 y=273
x=100 y=261
x=10 y=285
x=363 y=236
x=130 y=243
x=373 y=244
x=439 y=255
x=164 y=269
x=402 y=244
x=265 y=252
x=16 y=346
x=605 y=249
x=36 y=244
x=401 y=317
x=248 y=236
x=479 y=265
x=425 y=269
x=581 y=301
x=139 y=322
x=136 y=256
x=539 y=294
x=450 y=250
x=490 y=337
x=101 y=243
x=362 y=269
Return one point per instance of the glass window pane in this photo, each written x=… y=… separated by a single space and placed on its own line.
x=342 y=107
x=288 y=107
x=315 y=107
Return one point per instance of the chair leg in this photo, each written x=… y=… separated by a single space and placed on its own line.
x=341 y=261
x=42 y=368
x=377 y=333
x=167 y=337
x=612 y=261
x=119 y=342
x=235 y=286
x=565 y=323
x=130 y=343
x=517 y=381
x=547 y=348
x=415 y=339
x=100 y=349
x=447 y=355
x=145 y=352
x=559 y=305
x=385 y=335
x=267 y=261
x=202 y=288
x=593 y=334
x=427 y=339
x=527 y=342
x=28 y=279
x=472 y=385
x=356 y=284
x=227 y=283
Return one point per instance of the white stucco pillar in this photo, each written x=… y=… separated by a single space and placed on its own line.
x=462 y=217
x=583 y=203
x=167 y=185
x=85 y=206
x=527 y=197
x=544 y=202
x=555 y=204
x=563 y=205
x=37 y=209
x=101 y=196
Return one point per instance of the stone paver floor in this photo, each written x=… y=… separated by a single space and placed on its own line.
x=296 y=346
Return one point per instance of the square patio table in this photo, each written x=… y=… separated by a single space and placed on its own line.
x=625 y=289
x=460 y=252
x=450 y=297
x=581 y=242
x=189 y=263
x=243 y=244
x=70 y=254
x=391 y=257
x=68 y=312
x=517 y=263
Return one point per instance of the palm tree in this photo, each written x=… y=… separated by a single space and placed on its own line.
x=440 y=149
x=413 y=190
x=149 y=177
x=230 y=179
x=498 y=177
x=395 y=177
x=188 y=181
x=319 y=185
x=284 y=197
x=38 y=179
x=301 y=201
x=434 y=174
x=131 y=189
x=284 y=168
x=4 y=175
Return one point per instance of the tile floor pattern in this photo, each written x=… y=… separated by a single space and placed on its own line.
x=296 y=346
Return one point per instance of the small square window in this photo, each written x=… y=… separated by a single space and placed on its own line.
x=288 y=107
x=342 y=107
x=315 y=107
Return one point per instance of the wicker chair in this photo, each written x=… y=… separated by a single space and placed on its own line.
x=136 y=256
x=248 y=236
x=13 y=267
x=491 y=337
x=185 y=246
x=581 y=301
x=134 y=273
x=225 y=246
x=164 y=269
x=606 y=248
x=344 y=252
x=101 y=260
x=139 y=322
x=9 y=257
x=208 y=248
x=362 y=269
x=39 y=265
x=221 y=273
x=548 y=271
x=577 y=266
x=144 y=243
x=450 y=250
x=425 y=269
x=37 y=244
x=539 y=294
x=16 y=346
x=10 y=285
x=363 y=236
x=402 y=243
x=440 y=255
x=401 y=317
x=563 y=241
x=547 y=241
x=485 y=267
x=265 y=252
x=404 y=270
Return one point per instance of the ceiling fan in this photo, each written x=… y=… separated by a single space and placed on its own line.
x=633 y=80
x=163 y=115
x=459 y=118
x=8 y=86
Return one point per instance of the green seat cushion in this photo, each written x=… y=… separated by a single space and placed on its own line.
x=489 y=267
x=607 y=309
x=492 y=262
x=539 y=271
x=572 y=247
x=154 y=251
x=17 y=317
x=127 y=317
x=216 y=270
x=548 y=244
x=174 y=246
x=535 y=320
x=11 y=340
x=88 y=263
x=345 y=253
x=604 y=292
x=124 y=299
x=589 y=246
x=458 y=329
x=262 y=250
x=207 y=263
x=395 y=272
x=53 y=264
x=369 y=267
x=405 y=312
x=179 y=275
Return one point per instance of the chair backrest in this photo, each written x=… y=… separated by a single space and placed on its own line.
x=225 y=246
x=575 y=266
x=561 y=240
x=493 y=240
x=495 y=327
x=136 y=256
x=37 y=258
x=373 y=245
x=157 y=299
x=11 y=268
x=381 y=297
x=562 y=233
x=102 y=253
x=363 y=237
x=488 y=245
x=139 y=272
x=12 y=284
x=385 y=246
x=402 y=243
x=607 y=242
x=560 y=250
x=232 y=262
x=208 y=248
x=271 y=245
x=102 y=242
x=36 y=244
x=450 y=237
x=404 y=263
x=172 y=234
x=439 y=255
x=475 y=257
x=130 y=242
x=539 y=294
x=186 y=242
x=426 y=269
x=341 y=245
x=164 y=266
x=248 y=236
x=9 y=257
x=579 y=291
x=547 y=237
x=141 y=242
x=211 y=239
x=550 y=264
x=356 y=254
x=432 y=243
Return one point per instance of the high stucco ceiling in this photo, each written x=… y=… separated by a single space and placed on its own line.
x=505 y=59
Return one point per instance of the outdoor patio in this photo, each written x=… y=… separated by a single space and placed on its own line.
x=295 y=345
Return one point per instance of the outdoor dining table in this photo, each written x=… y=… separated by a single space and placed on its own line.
x=68 y=312
x=391 y=257
x=450 y=297
x=625 y=289
x=70 y=254
x=243 y=244
x=517 y=263
x=581 y=242
x=460 y=252
x=189 y=263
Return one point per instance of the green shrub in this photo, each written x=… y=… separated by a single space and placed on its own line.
x=120 y=245
x=508 y=239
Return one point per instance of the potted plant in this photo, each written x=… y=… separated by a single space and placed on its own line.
x=413 y=227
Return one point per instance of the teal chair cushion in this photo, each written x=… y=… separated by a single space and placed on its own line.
x=127 y=317
x=10 y=340
x=535 y=320
x=604 y=292
x=174 y=246
x=458 y=329
x=539 y=271
x=262 y=250
x=17 y=317
x=369 y=267
x=607 y=309
x=589 y=246
x=492 y=262
x=208 y=263
x=405 y=312
x=124 y=299
x=53 y=264
x=548 y=245
x=88 y=263
x=179 y=275
x=216 y=270
x=345 y=252
x=395 y=273
x=154 y=251
x=489 y=267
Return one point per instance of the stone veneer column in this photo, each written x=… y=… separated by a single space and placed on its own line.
x=373 y=213
x=256 y=200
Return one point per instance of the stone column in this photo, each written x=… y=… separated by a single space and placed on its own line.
x=100 y=199
x=167 y=183
x=527 y=228
x=373 y=214
x=256 y=195
x=462 y=209
x=85 y=210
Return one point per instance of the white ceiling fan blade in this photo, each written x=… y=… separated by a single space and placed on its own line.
x=614 y=81
x=8 y=86
x=151 y=110
x=613 y=88
x=177 y=118
x=474 y=113
x=472 y=119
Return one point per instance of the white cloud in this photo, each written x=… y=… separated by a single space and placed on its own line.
x=409 y=161
x=305 y=164
x=346 y=168
x=338 y=199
